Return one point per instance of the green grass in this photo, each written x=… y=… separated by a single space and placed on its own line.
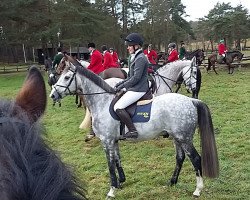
x=149 y=165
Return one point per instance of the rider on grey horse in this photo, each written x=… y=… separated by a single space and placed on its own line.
x=136 y=85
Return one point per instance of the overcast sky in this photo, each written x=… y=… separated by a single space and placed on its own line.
x=200 y=8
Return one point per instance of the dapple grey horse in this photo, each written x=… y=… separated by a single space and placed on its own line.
x=176 y=114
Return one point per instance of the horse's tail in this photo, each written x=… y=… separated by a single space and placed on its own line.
x=209 y=157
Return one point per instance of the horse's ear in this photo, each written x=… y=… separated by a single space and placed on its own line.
x=32 y=97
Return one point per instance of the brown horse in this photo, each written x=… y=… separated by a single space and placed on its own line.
x=230 y=56
x=113 y=73
x=198 y=53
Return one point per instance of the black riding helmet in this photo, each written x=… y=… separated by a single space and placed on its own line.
x=172 y=45
x=134 y=39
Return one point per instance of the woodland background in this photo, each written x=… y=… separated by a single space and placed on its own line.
x=32 y=27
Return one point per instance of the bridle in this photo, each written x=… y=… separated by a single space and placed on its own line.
x=189 y=78
x=164 y=78
x=67 y=87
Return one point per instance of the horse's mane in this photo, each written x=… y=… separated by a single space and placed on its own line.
x=174 y=66
x=192 y=52
x=93 y=77
x=234 y=51
x=29 y=168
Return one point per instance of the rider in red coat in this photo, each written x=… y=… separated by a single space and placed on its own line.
x=151 y=54
x=108 y=61
x=114 y=55
x=172 y=53
x=95 y=59
x=222 y=49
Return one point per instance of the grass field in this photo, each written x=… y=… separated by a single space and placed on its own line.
x=149 y=165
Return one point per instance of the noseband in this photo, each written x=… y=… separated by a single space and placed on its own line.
x=189 y=78
x=67 y=86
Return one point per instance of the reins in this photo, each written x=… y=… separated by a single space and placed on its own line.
x=74 y=93
x=164 y=78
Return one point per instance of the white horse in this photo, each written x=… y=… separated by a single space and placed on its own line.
x=176 y=114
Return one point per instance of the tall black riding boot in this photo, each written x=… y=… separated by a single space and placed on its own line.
x=125 y=118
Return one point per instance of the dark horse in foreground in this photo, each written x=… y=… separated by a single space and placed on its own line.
x=230 y=56
x=29 y=169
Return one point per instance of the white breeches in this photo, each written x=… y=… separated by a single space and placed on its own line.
x=127 y=99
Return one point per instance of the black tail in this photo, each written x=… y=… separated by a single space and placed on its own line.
x=209 y=157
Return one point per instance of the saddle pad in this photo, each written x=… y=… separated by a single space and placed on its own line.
x=142 y=113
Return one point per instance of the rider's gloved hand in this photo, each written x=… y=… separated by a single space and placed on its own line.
x=119 y=88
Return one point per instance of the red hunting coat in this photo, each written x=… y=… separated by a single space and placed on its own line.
x=173 y=56
x=221 y=49
x=108 y=61
x=96 y=62
x=115 y=56
x=152 y=56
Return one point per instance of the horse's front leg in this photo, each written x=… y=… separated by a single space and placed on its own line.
x=178 y=87
x=109 y=148
x=195 y=94
x=118 y=164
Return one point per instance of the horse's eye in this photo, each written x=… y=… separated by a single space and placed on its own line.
x=66 y=77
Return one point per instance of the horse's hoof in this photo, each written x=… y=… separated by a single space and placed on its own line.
x=171 y=183
x=120 y=185
x=196 y=196
x=89 y=137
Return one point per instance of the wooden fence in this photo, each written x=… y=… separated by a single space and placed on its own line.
x=18 y=68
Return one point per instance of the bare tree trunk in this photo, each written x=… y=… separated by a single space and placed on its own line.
x=125 y=22
x=212 y=45
x=24 y=54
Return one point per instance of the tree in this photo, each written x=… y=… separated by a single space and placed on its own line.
x=225 y=21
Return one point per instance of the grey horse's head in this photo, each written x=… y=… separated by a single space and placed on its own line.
x=190 y=75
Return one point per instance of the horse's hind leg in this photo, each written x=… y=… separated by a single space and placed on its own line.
x=180 y=157
x=229 y=69
x=214 y=69
x=196 y=161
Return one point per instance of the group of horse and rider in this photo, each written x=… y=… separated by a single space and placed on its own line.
x=173 y=115
x=136 y=85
